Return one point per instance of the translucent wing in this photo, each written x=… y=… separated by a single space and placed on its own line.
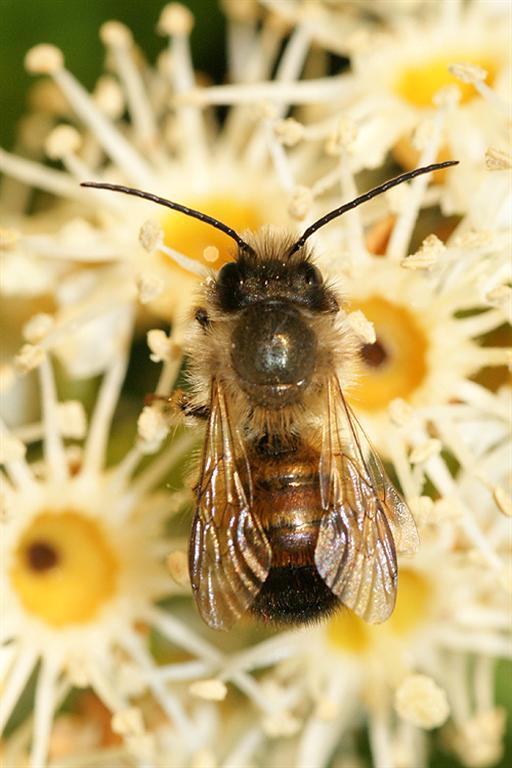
x=229 y=554
x=365 y=521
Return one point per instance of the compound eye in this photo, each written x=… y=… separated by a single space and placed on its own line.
x=312 y=274
x=229 y=275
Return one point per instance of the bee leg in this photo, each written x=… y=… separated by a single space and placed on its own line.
x=201 y=315
x=179 y=401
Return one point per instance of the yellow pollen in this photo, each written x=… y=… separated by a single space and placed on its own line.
x=418 y=84
x=64 y=568
x=195 y=239
x=348 y=633
x=396 y=364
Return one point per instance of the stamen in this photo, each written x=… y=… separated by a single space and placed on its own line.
x=159 y=468
x=53 y=446
x=44 y=708
x=15 y=684
x=114 y=143
x=163 y=695
x=192 y=266
x=94 y=450
x=469 y=73
x=37 y=175
x=303 y=92
x=422 y=702
x=177 y=21
x=289 y=69
x=120 y=41
x=12 y=455
x=402 y=231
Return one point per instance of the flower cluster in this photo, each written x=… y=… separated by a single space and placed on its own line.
x=103 y=659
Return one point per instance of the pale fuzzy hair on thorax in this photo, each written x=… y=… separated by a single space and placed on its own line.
x=209 y=354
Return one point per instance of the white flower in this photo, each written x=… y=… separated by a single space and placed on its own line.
x=236 y=171
x=83 y=566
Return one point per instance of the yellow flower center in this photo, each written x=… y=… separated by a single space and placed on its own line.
x=64 y=568
x=396 y=364
x=419 y=83
x=349 y=633
x=191 y=236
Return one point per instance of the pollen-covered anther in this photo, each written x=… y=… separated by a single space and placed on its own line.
x=289 y=131
x=468 y=73
x=479 y=741
x=362 y=327
x=422 y=136
x=175 y=19
x=501 y=296
x=9 y=239
x=503 y=500
x=497 y=159
x=211 y=254
x=128 y=722
x=281 y=724
x=342 y=138
x=161 y=346
x=425 y=451
x=115 y=33
x=152 y=427
x=177 y=565
x=266 y=110
x=149 y=287
x=448 y=96
x=473 y=238
x=44 y=59
x=420 y=701
x=38 y=327
x=400 y=412
x=151 y=235
x=63 y=140
x=300 y=203
x=427 y=255
x=11 y=449
x=210 y=690
x=109 y=97
x=246 y=11
x=72 y=421
x=28 y=358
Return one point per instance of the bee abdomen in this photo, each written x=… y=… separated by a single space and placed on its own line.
x=294 y=595
x=288 y=505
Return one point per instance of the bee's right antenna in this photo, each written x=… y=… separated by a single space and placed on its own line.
x=367 y=196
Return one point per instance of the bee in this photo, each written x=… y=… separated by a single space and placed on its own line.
x=295 y=514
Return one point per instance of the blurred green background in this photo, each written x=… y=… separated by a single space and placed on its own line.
x=73 y=26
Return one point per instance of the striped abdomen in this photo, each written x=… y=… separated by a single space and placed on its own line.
x=287 y=504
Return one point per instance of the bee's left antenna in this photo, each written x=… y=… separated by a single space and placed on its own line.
x=174 y=206
x=368 y=196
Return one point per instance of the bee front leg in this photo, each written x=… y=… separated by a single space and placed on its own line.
x=180 y=401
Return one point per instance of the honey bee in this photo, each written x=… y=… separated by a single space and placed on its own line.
x=295 y=514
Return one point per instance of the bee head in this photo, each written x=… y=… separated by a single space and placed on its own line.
x=268 y=275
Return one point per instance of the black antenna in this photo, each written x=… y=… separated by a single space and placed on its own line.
x=174 y=206
x=368 y=196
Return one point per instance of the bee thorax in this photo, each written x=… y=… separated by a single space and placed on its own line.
x=273 y=352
